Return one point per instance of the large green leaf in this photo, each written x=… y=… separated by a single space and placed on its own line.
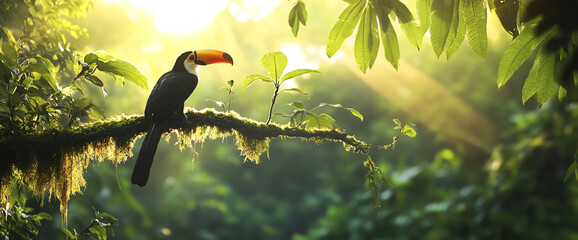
x=298 y=14
x=475 y=18
x=351 y=110
x=296 y=73
x=302 y=13
x=444 y=24
x=344 y=26
x=547 y=84
x=293 y=20
x=296 y=90
x=251 y=78
x=124 y=70
x=388 y=37
x=367 y=40
x=44 y=71
x=274 y=63
x=519 y=50
x=118 y=68
x=423 y=11
x=322 y=121
x=408 y=23
x=458 y=39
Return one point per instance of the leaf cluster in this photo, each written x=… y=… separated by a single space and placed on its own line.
x=297 y=16
x=17 y=222
x=38 y=87
x=308 y=118
x=99 y=228
x=544 y=53
x=275 y=63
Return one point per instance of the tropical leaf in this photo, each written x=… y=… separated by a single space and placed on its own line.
x=297 y=73
x=293 y=20
x=388 y=37
x=423 y=11
x=344 y=26
x=297 y=105
x=519 y=50
x=408 y=23
x=367 y=40
x=475 y=18
x=351 y=110
x=120 y=69
x=458 y=39
x=274 y=63
x=443 y=24
x=254 y=77
x=297 y=90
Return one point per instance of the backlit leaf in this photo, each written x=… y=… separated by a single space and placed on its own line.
x=364 y=41
x=408 y=131
x=457 y=40
x=42 y=69
x=297 y=105
x=423 y=11
x=519 y=50
x=297 y=90
x=344 y=26
x=99 y=230
x=251 y=78
x=540 y=74
x=293 y=20
x=297 y=73
x=274 y=63
x=443 y=24
x=475 y=18
x=356 y=113
x=408 y=23
x=9 y=51
x=388 y=38
x=124 y=70
x=302 y=13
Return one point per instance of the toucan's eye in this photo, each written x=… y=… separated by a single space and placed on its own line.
x=192 y=57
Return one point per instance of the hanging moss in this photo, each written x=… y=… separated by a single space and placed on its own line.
x=54 y=161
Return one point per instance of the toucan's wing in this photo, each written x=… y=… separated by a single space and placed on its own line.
x=170 y=92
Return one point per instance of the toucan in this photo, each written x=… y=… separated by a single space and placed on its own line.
x=167 y=99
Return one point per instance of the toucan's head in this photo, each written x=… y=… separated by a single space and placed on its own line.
x=189 y=61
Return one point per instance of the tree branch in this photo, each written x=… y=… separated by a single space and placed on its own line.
x=55 y=160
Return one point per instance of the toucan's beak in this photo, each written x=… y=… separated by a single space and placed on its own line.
x=210 y=56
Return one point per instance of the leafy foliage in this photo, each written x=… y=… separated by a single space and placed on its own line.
x=450 y=21
x=99 y=228
x=229 y=88
x=39 y=90
x=275 y=63
x=42 y=85
x=17 y=222
x=301 y=116
x=297 y=16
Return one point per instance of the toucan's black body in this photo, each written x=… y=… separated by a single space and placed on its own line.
x=166 y=99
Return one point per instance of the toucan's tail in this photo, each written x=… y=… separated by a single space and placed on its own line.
x=142 y=168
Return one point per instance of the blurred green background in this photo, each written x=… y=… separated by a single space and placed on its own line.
x=483 y=166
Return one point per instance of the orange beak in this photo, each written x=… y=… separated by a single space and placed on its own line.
x=211 y=56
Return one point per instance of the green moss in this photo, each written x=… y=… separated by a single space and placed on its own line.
x=54 y=161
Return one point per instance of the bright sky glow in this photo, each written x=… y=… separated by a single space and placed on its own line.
x=192 y=16
x=252 y=10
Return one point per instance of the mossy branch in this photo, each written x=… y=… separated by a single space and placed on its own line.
x=55 y=160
